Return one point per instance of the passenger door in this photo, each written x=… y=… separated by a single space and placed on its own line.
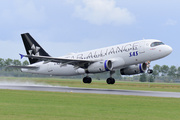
x=142 y=47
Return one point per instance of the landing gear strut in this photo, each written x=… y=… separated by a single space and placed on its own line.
x=87 y=79
x=111 y=80
x=149 y=71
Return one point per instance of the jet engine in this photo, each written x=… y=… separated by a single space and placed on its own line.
x=134 y=69
x=100 y=66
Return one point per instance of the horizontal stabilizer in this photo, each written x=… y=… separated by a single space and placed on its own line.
x=21 y=56
x=25 y=67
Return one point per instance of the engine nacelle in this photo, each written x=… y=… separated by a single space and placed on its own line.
x=100 y=66
x=117 y=63
x=134 y=69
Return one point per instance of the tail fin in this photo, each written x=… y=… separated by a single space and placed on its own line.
x=32 y=47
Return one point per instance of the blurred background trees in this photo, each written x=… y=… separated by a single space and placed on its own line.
x=162 y=73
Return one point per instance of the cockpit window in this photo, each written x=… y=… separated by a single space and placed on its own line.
x=156 y=44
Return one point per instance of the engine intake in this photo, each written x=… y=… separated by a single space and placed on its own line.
x=134 y=69
x=108 y=65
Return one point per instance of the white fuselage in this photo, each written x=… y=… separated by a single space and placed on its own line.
x=122 y=55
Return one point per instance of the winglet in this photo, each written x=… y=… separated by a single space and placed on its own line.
x=21 y=55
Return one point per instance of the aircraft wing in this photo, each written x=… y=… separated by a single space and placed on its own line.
x=46 y=59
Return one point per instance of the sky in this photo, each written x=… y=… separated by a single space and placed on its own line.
x=66 y=26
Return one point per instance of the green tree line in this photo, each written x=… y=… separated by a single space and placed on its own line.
x=162 y=73
x=15 y=72
x=7 y=62
x=6 y=71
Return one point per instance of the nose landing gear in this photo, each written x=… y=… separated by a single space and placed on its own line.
x=149 y=71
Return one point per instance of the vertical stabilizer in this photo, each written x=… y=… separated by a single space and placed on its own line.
x=32 y=47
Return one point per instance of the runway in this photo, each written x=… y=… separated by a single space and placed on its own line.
x=92 y=90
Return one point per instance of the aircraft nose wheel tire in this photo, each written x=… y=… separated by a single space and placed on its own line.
x=87 y=80
x=110 y=80
x=150 y=71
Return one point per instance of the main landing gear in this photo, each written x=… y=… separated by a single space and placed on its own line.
x=109 y=80
x=87 y=79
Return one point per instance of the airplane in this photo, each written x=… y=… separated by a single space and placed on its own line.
x=129 y=58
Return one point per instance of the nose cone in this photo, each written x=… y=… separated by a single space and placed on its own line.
x=168 y=49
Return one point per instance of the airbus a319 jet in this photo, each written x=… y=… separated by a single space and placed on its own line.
x=129 y=58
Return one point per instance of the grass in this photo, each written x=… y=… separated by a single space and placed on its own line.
x=36 y=105
x=169 y=87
